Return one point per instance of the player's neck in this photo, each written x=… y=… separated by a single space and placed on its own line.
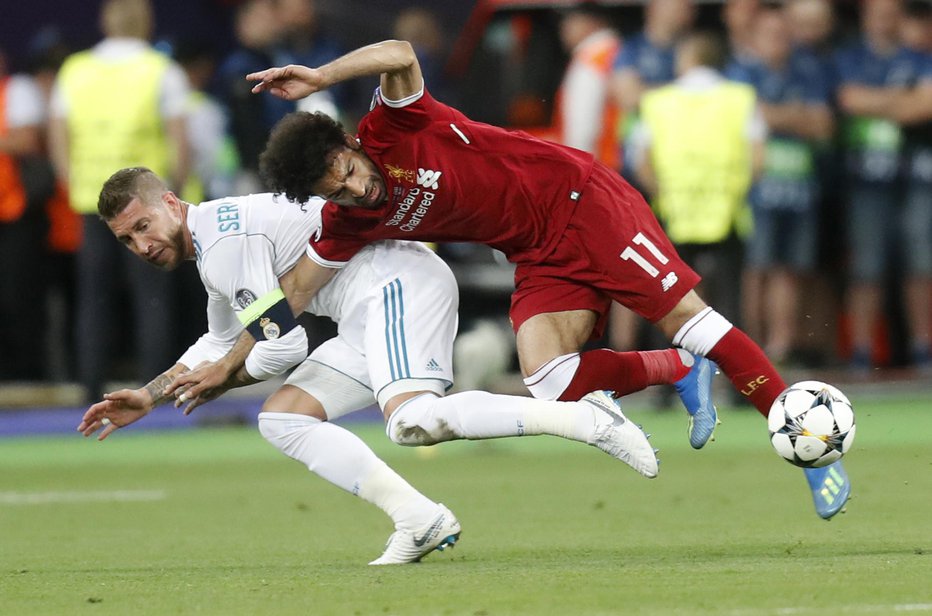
x=189 y=253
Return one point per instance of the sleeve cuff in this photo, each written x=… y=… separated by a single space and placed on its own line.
x=413 y=98
x=316 y=258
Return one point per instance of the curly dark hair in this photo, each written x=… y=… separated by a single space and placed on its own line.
x=297 y=154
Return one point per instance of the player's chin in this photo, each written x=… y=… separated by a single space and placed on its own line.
x=167 y=265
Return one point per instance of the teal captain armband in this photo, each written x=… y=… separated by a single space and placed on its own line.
x=269 y=317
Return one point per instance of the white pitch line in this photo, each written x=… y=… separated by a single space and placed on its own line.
x=849 y=609
x=45 y=498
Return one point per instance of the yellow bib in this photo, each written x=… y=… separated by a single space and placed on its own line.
x=113 y=120
x=701 y=156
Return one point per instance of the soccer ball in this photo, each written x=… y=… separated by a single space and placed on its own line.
x=811 y=424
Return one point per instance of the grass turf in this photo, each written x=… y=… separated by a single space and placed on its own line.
x=549 y=527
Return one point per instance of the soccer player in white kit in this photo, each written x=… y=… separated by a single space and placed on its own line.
x=395 y=304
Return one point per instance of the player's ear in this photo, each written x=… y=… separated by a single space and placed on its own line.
x=351 y=142
x=171 y=201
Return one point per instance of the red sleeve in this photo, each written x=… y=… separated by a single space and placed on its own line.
x=328 y=246
x=388 y=122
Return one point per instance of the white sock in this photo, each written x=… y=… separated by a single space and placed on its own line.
x=702 y=332
x=343 y=459
x=550 y=380
x=428 y=419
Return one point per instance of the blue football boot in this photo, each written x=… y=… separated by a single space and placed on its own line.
x=830 y=488
x=695 y=390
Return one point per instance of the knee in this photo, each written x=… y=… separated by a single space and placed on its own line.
x=295 y=400
x=413 y=424
x=285 y=431
x=685 y=309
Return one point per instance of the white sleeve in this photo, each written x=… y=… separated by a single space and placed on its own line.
x=173 y=98
x=272 y=357
x=756 y=130
x=638 y=142
x=584 y=92
x=24 y=104
x=241 y=268
x=223 y=328
x=58 y=104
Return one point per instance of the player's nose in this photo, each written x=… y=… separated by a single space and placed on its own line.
x=356 y=187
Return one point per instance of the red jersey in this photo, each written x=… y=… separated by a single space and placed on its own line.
x=450 y=179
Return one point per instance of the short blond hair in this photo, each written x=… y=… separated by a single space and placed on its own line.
x=126 y=18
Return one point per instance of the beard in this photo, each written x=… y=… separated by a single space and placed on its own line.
x=175 y=246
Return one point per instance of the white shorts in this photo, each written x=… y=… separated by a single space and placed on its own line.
x=397 y=318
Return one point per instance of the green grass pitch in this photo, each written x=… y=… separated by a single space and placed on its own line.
x=224 y=524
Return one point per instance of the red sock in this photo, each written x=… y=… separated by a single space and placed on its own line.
x=750 y=371
x=623 y=373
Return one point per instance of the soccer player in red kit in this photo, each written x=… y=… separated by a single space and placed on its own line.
x=580 y=236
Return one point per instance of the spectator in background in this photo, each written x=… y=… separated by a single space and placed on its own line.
x=646 y=61
x=811 y=24
x=305 y=44
x=213 y=155
x=914 y=109
x=703 y=138
x=23 y=192
x=419 y=26
x=648 y=58
x=259 y=31
x=585 y=116
x=92 y=132
x=916 y=28
x=47 y=52
x=883 y=86
x=782 y=247
x=738 y=16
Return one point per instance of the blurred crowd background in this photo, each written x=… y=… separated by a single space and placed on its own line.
x=786 y=147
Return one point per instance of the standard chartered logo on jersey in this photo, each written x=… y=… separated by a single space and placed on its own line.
x=416 y=203
x=428 y=178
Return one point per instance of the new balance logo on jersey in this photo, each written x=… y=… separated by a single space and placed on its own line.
x=433 y=366
x=428 y=178
x=668 y=281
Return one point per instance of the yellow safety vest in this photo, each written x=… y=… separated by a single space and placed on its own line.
x=114 y=120
x=701 y=158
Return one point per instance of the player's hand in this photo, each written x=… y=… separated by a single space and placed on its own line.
x=288 y=82
x=206 y=382
x=117 y=409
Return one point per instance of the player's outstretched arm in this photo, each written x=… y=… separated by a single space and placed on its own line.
x=395 y=61
x=210 y=380
x=126 y=406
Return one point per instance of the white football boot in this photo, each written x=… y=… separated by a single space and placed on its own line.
x=411 y=546
x=619 y=437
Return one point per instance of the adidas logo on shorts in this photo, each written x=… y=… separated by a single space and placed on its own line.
x=433 y=366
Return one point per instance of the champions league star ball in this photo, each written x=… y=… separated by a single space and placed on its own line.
x=811 y=424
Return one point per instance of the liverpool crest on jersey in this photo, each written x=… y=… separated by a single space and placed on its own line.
x=398 y=173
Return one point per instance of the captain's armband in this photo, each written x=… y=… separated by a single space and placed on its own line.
x=269 y=317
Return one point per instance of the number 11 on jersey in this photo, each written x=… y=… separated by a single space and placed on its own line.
x=630 y=254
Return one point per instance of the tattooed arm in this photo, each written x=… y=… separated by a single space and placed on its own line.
x=126 y=406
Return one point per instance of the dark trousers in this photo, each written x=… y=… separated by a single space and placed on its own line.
x=22 y=289
x=720 y=265
x=106 y=271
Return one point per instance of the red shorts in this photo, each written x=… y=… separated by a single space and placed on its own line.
x=612 y=249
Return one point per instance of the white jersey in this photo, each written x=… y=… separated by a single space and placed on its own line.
x=244 y=244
